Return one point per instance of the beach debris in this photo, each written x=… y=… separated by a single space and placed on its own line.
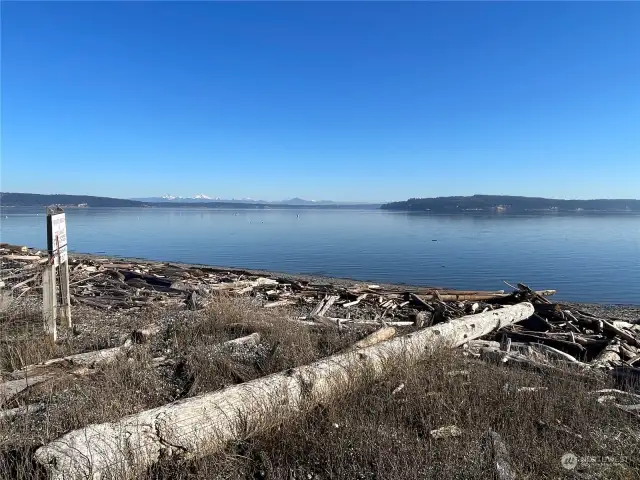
x=555 y=333
x=446 y=432
x=500 y=456
x=398 y=389
x=109 y=284
x=12 y=413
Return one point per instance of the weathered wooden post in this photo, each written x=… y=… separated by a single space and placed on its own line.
x=57 y=247
x=49 y=309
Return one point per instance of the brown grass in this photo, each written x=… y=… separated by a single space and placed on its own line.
x=372 y=433
x=368 y=433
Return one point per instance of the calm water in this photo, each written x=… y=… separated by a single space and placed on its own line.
x=585 y=257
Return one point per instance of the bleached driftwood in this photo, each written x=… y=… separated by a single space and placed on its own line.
x=21 y=411
x=501 y=460
x=446 y=432
x=554 y=353
x=204 y=424
x=279 y=303
x=38 y=373
x=608 y=396
x=248 y=341
x=473 y=296
x=374 y=322
x=10 y=389
x=54 y=369
x=318 y=307
x=328 y=304
x=378 y=336
x=25 y=258
x=341 y=322
x=244 y=284
x=356 y=301
x=611 y=353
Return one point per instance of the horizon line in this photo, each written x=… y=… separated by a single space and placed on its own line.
x=363 y=202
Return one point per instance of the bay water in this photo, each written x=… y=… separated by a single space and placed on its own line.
x=586 y=257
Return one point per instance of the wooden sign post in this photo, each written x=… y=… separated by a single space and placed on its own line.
x=58 y=261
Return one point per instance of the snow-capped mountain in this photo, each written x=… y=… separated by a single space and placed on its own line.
x=202 y=198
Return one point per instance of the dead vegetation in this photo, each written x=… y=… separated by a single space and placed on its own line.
x=374 y=433
x=378 y=430
x=190 y=364
x=508 y=406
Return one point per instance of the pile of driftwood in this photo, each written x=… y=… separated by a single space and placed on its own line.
x=567 y=334
x=20 y=270
x=111 y=285
x=577 y=337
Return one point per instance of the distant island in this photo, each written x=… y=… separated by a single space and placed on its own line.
x=510 y=204
x=78 y=201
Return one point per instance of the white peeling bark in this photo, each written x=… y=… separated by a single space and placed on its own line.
x=205 y=424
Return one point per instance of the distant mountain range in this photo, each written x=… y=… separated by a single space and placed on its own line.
x=202 y=198
x=511 y=204
x=80 y=201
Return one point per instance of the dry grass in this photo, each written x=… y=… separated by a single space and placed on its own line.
x=22 y=340
x=368 y=433
x=372 y=433
x=284 y=345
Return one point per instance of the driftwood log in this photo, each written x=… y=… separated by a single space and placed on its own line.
x=378 y=336
x=77 y=364
x=21 y=411
x=502 y=462
x=204 y=424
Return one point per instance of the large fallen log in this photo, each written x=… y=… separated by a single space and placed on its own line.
x=473 y=296
x=204 y=424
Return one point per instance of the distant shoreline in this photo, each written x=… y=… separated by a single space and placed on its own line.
x=475 y=204
x=512 y=204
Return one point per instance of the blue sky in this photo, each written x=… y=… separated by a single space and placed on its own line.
x=348 y=101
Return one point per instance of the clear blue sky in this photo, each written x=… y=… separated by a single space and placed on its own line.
x=347 y=101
